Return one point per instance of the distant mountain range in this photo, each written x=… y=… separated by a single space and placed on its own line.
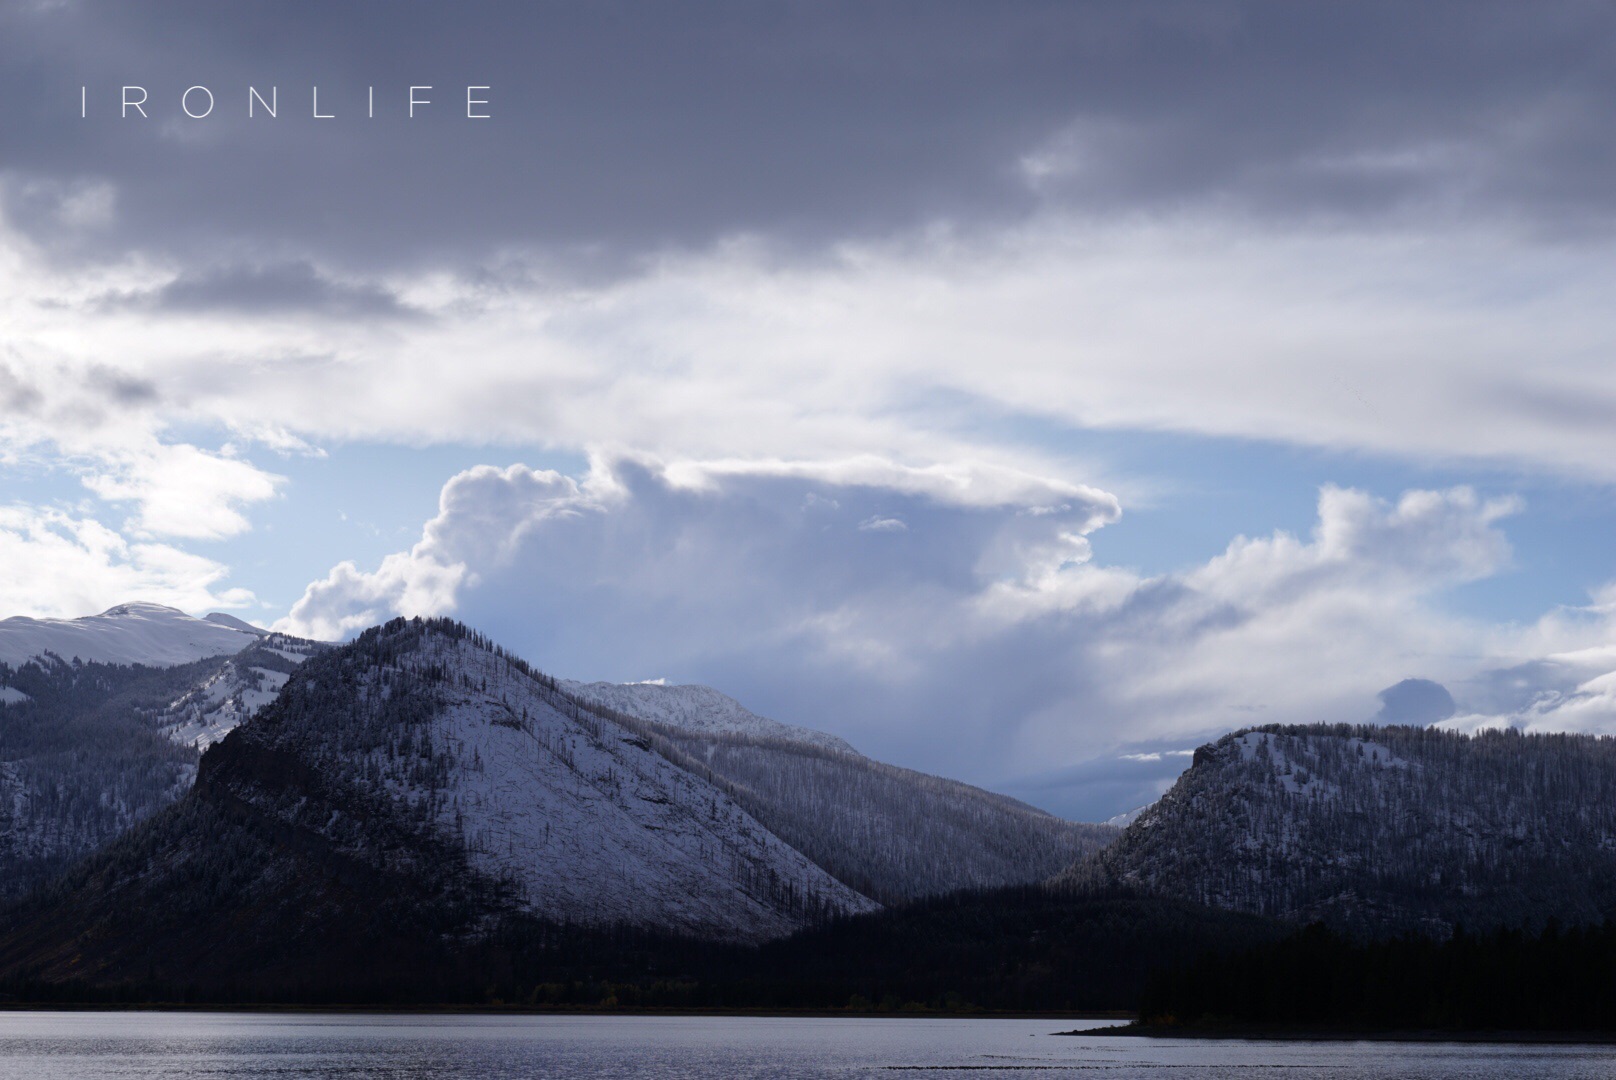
x=293 y=810
x=438 y=777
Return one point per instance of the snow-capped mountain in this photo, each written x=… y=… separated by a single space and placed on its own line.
x=893 y=833
x=697 y=710
x=1378 y=829
x=147 y=634
x=424 y=768
x=642 y=804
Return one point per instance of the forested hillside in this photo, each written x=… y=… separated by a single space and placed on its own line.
x=88 y=750
x=424 y=778
x=84 y=756
x=1559 y=980
x=1383 y=829
x=891 y=833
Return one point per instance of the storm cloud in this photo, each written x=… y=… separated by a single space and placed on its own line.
x=621 y=129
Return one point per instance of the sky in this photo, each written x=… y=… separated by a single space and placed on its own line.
x=1025 y=392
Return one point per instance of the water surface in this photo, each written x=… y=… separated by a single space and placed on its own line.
x=269 y=1046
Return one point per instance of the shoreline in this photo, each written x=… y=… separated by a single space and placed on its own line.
x=1262 y=1033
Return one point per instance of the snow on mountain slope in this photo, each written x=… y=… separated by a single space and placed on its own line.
x=219 y=618
x=91 y=749
x=576 y=815
x=408 y=797
x=148 y=634
x=699 y=710
x=891 y=833
x=234 y=694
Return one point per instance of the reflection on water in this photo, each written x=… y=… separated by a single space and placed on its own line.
x=52 y=1045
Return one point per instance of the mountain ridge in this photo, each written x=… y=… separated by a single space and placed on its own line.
x=424 y=762
x=151 y=635
x=1381 y=830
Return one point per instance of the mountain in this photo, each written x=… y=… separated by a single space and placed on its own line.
x=891 y=833
x=421 y=778
x=1380 y=830
x=146 y=634
x=89 y=750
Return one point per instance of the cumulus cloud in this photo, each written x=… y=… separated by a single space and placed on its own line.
x=674 y=529
x=56 y=565
x=1427 y=540
x=483 y=516
x=981 y=633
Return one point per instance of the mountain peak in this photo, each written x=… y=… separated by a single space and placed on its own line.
x=139 y=632
x=141 y=609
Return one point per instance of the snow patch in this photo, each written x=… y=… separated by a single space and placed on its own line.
x=1123 y=820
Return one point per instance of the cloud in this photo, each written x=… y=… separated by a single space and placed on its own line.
x=984 y=634
x=615 y=139
x=991 y=346
x=1415 y=701
x=278 y=289
x=16 y=396
x=1568 y=686
x=669 y=525
x=1427 y=540
x=180 y=490
x=483 y=515
x=56 y=565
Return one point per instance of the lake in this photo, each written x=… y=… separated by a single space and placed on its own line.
x=51 y=1045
